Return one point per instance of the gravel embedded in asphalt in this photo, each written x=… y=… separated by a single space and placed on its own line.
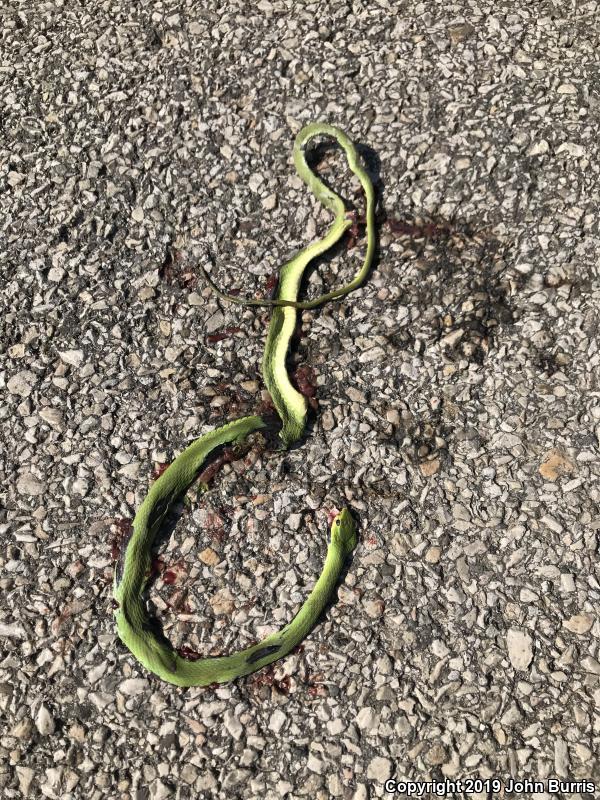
x=459 y=409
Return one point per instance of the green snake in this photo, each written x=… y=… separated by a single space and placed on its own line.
x=133 y=569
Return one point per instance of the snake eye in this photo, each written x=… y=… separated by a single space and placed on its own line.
x=338 y=522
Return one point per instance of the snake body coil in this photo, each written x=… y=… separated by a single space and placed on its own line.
x=134 y=626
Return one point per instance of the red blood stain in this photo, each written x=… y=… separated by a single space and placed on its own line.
x=159 y=469
x=173 y=271
x=226 y=457
x=315 y=687
x=305 y=380
x=271 y=283
x=189 y=654
x=425 y=230
x=266 y=407
x=266 y=677
x=157 y=565
x=356 y=230
x=175 y=572
x=188 y=280
x=220 y=335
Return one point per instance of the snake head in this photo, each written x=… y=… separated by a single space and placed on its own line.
x=343 y=531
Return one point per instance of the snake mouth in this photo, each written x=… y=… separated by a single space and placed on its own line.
x=331 y=515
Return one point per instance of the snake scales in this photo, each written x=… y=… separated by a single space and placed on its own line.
x=134 y=625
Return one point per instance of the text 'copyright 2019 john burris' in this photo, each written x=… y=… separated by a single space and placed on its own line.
x=509 y=786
